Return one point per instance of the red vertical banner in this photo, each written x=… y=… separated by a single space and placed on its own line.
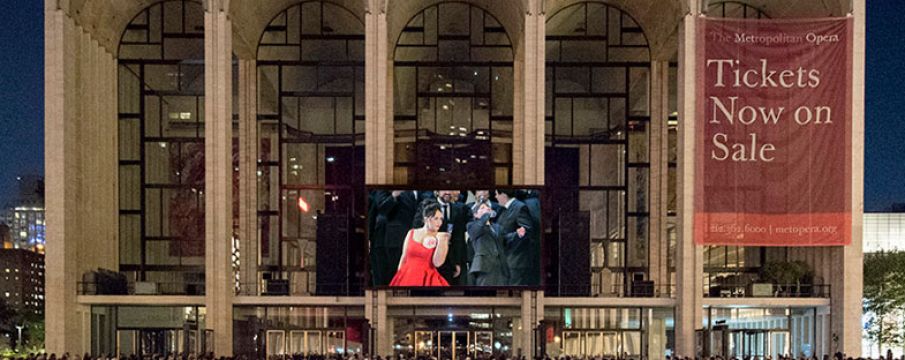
x=773 y=134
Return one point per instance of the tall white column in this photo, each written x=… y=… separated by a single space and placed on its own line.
x=218 y=175
x=659 y=172
x=688 y=279
x=378 y=97
x=528 y=125
x=248 y=179
x=60 y=168
x=847 y=286
x=80 y=154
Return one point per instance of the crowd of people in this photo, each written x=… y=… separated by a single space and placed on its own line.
x=210 y=356
x=454 y=238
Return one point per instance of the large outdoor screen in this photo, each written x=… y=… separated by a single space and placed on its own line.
x=454 y=238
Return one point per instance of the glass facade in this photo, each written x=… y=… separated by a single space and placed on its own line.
x=629 y=333
x=161 y=147
x=597 y=142
x=760 y=332
x=264 y=331
x=454 y=91
x=454 y=332
x=884 y=232
x=310 y=119
x=143 y=330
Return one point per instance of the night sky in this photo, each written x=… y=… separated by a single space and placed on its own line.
x=22 y=100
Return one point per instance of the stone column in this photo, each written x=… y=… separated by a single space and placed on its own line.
x=528 y=125
x=688 y=280
x=384 y=326
x=218 y=175
x=80 y=124
x=847 y=286
x=61 y=321
x=532 y=313
x=248 y=179
x=659 y=172
x=378 y=97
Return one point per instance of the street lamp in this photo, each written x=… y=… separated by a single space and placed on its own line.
x=19 y=342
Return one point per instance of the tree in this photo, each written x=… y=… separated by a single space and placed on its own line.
x=787 y=274
x=884 y=297
x=8 y=318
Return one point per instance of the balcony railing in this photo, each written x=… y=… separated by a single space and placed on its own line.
x=749 y=290
x=640 y=289
x=140 y=288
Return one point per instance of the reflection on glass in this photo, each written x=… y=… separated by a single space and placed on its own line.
x=335 y=342
x=276 y=342
x=424 y=343
x=483 y=343
x=571 y=343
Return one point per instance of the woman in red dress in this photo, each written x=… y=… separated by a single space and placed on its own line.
x=423 y=251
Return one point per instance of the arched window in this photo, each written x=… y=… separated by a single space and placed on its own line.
x=597 y=137
x=453 y=99
x=161 y=147
x=735 y=9
x=311 y=147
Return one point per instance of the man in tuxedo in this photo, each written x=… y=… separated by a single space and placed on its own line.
x=488 y=267
x=396 y=212
x=515 y=225
x=455 y=217
x=532 y=201
x=480 y=197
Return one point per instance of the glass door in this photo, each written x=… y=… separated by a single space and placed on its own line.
x=780 y=344
x=335 y=342
x=127 y=342
x=452 y=345
x=296 y=342
x=276 y=342
x=424 y=343
x=748 y=344
x=571 y=343
x=483 y=344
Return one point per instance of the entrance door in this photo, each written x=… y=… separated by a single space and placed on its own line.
x=780 y=344
x=748 y=344
x=276 y=342
x=483 y=344
x=453 y=345
x=150 y=341
x=305 y=342
x=424 y=343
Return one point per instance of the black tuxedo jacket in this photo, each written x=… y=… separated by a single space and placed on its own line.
x=518 y=249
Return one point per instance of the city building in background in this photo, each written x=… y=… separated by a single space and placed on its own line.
x=24 y=215
x=22 y=280
x=207 y=165
x=6 y=239
x=884 y=231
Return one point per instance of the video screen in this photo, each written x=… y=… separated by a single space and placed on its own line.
x=454 y=238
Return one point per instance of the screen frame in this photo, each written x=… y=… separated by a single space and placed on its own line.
x=542 y=260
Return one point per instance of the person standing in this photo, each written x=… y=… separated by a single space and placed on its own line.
x=455 y=218
x=399 y=208
x=488 y=267
x=424 y=251
x=515 y=224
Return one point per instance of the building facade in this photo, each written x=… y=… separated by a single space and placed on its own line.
x=25 y=215
x=22 y=281
x=181 y=135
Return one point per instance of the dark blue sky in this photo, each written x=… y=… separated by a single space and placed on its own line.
x=22 y=103
x=21 y=93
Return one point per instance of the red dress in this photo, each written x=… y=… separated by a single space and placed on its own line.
x=417 y=267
